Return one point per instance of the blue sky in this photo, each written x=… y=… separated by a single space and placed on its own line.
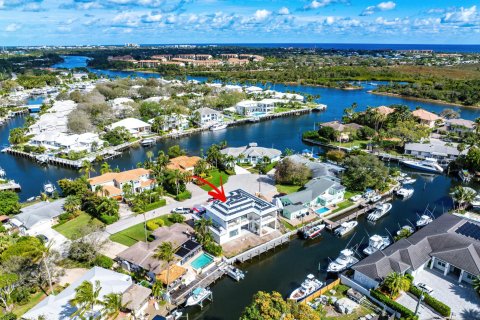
x=68 y=22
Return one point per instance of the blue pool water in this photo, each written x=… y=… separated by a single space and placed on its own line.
x=322 y=210
x=202 y=261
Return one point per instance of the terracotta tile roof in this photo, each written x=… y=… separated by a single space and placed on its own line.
x=147 y=183
x=112 y=191
x=175 y=273
x=131 y=175
x=384 y=110
x=106 y=177
x=183 y=162
x=425 y=115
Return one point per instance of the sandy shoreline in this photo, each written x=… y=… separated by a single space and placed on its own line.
x=441 y=102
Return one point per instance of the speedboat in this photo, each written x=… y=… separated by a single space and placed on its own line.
x=218 y=126
x=314 y=231
x=308 y=287
x=345 y=260
x=476 y=202
x=49 y=188
x=345 y=228
x=380 y=211
x=2 y=173
x=423 y=221
x=428 y=165
x=375 y=198
x=235 y=273
x=405 y=227
x=148 y=142
x=408 y=180
x=376 y=243
x=404 y=192
x=197 y=296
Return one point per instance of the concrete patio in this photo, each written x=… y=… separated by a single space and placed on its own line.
x=246 y=241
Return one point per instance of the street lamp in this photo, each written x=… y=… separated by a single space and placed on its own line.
x=419 y=301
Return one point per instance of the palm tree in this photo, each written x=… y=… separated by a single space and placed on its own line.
x=127 y=189
x=476 y=284
x=396 y=282
x=45 y=255
x=463 y=196
x=176 y=177
x=87 y=168
x=105 y=168
x=202 y=229
x=112 y=305
x=86 y=298
x=166 y=253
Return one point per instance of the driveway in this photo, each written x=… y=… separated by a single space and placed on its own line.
x=424 y=313
x=461 y=298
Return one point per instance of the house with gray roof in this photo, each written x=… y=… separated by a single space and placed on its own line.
x=434 y=148
x=460 y=126
x=208 y=116
x=318 y=169
x=317 y=193
x=37 y=216
x=252 y=153
x=450 y=244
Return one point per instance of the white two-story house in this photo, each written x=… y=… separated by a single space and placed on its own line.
x=241 y=213
x=208 y=117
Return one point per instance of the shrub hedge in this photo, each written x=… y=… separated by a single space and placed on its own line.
x=435 y=304
x=213 y=248
x=183 y=196
x=103 y=261
x=155 y=205
x=404 y=311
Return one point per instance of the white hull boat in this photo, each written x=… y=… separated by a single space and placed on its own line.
x=405 y=192
x=427 y=165
x=376 y=243
x=2 y=173
x=423 y=221
x=375 y=198
x=197 y=296
x=345 y=260
x=313 y=232
x=307 y=288
x=217 y=127
x=148 y=142
x=476 y=202
x=345 y=228
x=380 y=211
x=49 y=188
x=408 y=180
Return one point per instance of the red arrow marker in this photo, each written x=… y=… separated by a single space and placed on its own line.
x=216 y=193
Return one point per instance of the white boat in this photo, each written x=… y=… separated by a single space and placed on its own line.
x=476 y=202
x=148 y=142
x=345 y=260
x=380 y=211
x=235 y=273
x=345 y=228
x=2 y=173
x=408 y=180
x=375 y=198
x=197 y=296
x=376 y=243
x=404 y=192
x=428 y=165
x=218 y=126
x=465 y=176
x=405 y=227
x=308 y=287
x=314 y=231
x=49 y=188
x=423 y=221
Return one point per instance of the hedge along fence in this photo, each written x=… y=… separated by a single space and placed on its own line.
x=404 y=311
x=435 y=304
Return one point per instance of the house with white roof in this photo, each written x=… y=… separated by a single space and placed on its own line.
x=257 y=108
x=135 y=126
x=240 y=214
x=252 y=153
x=208 y=116
x=121 y=106
x=173 y=121
x=434 y=148
x=58 y=307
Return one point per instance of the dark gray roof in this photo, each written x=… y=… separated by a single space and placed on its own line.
x=41 y=211
x=438 y=239
x=318 y=169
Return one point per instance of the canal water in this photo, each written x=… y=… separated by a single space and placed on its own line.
x=284 y=269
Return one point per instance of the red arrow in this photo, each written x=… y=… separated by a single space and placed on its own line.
x=216 y=193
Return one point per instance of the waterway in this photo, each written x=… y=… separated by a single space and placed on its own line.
x=286 y=268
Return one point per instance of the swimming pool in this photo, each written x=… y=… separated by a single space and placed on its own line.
x=322 y=210
x=258 y=114
x=202 y=261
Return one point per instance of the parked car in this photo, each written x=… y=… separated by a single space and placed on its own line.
x=356 y=198
x=425 y=288
x=42 y=238
x=182 y=210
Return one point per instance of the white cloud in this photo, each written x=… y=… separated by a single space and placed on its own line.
x=262 y=14
x=283 y=11
x=382 y=6
x=12 y=27
x=461 y=15
x=315 y=4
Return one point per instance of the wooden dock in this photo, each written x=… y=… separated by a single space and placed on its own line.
x=10 y=185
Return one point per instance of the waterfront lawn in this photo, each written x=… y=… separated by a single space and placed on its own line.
x=331 y=313
x=71 y=228
x=214 y=178
x=342 y=205
x=362 y=144
x=132 y=235
x=283 y=188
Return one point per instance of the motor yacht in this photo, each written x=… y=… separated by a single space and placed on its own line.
x=345 y=260
x=313 y=232
x=345 y=228
x=218 y=126
x=427 y=165
x=379 y=211
x=309 y=286
x=404 y=192
x=197 y=296
x=376 y=243
x=423 y=221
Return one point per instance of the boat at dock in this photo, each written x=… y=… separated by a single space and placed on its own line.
x=375 y=198
x=218 y=126
x=313 y=232
x=345 y=228
x=404 y=192
x=476 y=202
x=308 y=287
x=345 y=260
x=197 y=296
x=427 y=165
x=376 y=243
x=320 y=107
x=423 y=221
x=2 y=173
x=147 y=142
x=408 y=180
x=235 y=273
x=379 y=211
x=49 y=188
x=465 y=176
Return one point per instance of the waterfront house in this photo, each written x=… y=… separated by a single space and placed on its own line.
x=318 y=169
x=121 y=106
x=35 y=219
x=135 y=126
x=88 y=141
x=113 y=182
x=450 y=245
x=173 y=121
x=208 y=117
x=284 y=95
x=427 y=118
x=317 y=193
x=56 y=307
x=241 y=213
x=258 y=108
x=434 y=148
x=252 y=154
x=344 y=129
x=384 y=110
x=183 y=163
x=460 y=126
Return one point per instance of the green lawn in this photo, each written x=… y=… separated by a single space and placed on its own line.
x=349 y=194
x=362 y=144
x=281 y=188
x=70 y=228
x=342 y=205
x=214 y=178
x=135 y=233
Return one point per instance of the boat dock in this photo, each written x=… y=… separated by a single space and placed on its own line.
x=10 y=185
